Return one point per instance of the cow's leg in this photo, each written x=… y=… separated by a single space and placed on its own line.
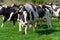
x=35 y=25
x=20 y=27
x=18 y=17
x=26 y=28
x=47 y=16
x=2 y=25
x=14 y=23
x=3 y=22
x=10 y=16
x=33 y=28
x=48 y=22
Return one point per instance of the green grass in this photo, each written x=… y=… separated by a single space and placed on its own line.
x=9 y=32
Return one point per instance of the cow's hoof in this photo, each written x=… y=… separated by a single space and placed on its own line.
x=17 y=19
x=8 y=20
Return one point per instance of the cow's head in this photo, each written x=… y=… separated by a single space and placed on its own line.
x=49 y=9
x=21 y=8
x=23 y=14
x=1 y=9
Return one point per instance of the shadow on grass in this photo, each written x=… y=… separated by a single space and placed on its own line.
x=46 y=31
x=42 y=26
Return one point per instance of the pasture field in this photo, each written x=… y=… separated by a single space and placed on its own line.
x=9 y=32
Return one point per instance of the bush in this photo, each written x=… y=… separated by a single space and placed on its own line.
x=34 y=1
x=37 y=1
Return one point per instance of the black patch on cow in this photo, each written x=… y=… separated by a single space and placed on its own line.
x=43 y=6
x=34 y=7
x=32 y=15
x=49 y=10
x=55 y=9
x=14 y=16
x=28 y=16
x=6 y=12
x=23 y=19
x=41 y=11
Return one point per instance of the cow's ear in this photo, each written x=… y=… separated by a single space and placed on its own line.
x=43 y=6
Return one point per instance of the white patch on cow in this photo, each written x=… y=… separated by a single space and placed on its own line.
x=3 y=17
x=36 y=24
x=20 y=6
x=4 y=6
x=18 y=17
x=48 y=6
x=25 y=16
x=26 y=27
x=56 y=13
x=54 y=6
x=28 y=6
x=12 y=5
x=20 y=28
x=0 y=7
x=10 y=16
x=2 y=25
x=40 y=6
x=19 y=10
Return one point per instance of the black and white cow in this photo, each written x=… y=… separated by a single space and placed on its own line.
x=29 y=12
x=55 y=9
x=6 y=12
